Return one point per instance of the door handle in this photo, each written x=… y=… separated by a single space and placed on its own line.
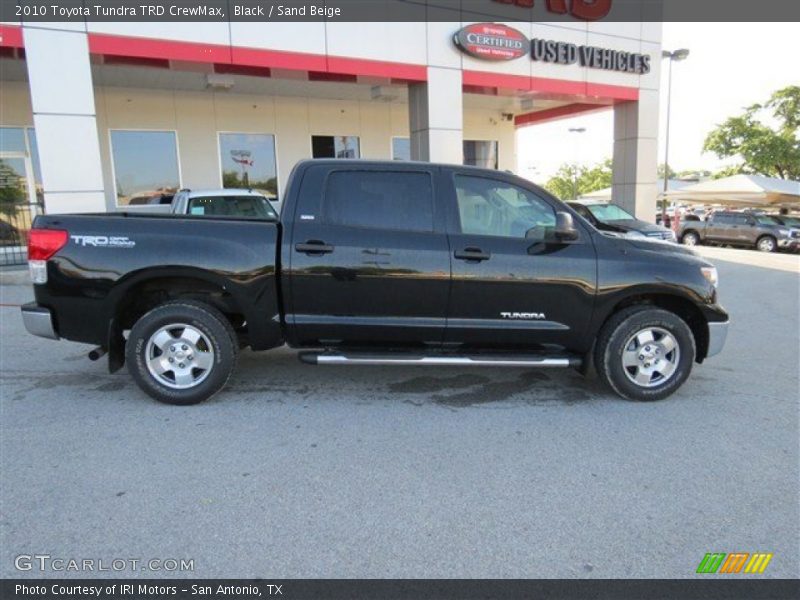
x=314 y=247
x=472 y=253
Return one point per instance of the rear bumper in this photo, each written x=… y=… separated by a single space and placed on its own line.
x=717 y=334
x=39 y=321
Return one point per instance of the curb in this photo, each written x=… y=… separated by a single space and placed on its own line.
x=14 y=277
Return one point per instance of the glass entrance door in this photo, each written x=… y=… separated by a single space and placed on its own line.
x=18 y=206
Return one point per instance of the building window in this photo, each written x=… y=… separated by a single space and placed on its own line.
x=401 y=148
x=380 y=200
x=17 y=143
x=335 y=146
x=480 y=153
x=12 y=139
x=248 y=161
x=145 y=165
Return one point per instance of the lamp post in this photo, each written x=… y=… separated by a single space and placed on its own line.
x=575 y=174
x=680 y=54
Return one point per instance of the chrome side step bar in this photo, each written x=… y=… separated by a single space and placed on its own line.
x=327 y=358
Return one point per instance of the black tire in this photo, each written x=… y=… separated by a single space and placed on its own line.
x=613 y=340
x=766 y=243
x=690 y=238
x=218 y=338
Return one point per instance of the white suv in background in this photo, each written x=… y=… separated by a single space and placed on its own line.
x=230 y=202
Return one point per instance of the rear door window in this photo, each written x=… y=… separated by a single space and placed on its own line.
x=399 y=200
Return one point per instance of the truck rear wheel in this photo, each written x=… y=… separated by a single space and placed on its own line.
x=181 y=352
x=644 y=353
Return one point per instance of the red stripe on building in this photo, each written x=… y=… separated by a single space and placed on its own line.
x=377 y=68
x=553 y=88
x=11 y=36
x=553 y=114
x=115 y=45
x=615 y=92
x=276 y=59
x=484 y=79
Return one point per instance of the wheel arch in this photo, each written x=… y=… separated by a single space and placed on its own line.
x=142 y=291
x=679 y=305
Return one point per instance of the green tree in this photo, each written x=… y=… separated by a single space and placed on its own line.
x=572 y=181
x=11 y=193
x=662 y=168
x=766 y=149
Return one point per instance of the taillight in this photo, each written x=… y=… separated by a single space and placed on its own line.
x=43 y=243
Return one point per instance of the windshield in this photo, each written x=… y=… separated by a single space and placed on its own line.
x=247 y=207
x=788 y=221
x=609 y=212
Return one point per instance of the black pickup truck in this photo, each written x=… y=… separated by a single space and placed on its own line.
x=376 y=263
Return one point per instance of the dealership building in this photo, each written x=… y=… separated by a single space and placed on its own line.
x=101 y=116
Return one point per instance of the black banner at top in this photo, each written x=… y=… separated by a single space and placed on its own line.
x=566 y=11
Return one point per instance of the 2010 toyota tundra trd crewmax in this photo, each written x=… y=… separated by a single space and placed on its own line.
x=376 y=263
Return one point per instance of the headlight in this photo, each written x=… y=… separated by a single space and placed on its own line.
x=710 y=273
x=634 y=234
x=784 y=232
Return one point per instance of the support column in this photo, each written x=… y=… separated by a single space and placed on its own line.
x=62 y=98
x=634 y=180
x=436 y=117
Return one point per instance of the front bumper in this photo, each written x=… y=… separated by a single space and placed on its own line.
x=717 y=334
x=789 y=243
x=39 y=321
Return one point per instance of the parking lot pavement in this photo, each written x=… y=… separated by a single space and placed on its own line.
x=299 y=471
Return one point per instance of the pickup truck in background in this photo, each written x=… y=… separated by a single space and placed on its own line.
x=740 y=229
x=376 y=263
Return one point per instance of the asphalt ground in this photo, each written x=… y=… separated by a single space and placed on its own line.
x=300 y=471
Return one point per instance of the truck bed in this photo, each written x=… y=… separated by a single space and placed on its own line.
x=122 y=258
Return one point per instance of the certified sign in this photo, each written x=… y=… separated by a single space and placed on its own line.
x=491 y=41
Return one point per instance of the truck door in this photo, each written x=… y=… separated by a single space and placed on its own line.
x=513 y=282
x=715 y=226
x=369 y=258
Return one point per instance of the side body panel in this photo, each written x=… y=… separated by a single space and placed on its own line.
x=89 y=277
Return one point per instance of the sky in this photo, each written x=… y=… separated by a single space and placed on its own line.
x=730 y=66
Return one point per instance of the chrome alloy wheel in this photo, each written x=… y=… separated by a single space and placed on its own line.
x=690 y=239
x=651 y=357
x=766 y=244
x=179 y=356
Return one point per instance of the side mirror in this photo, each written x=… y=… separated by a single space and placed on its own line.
x=565 y=227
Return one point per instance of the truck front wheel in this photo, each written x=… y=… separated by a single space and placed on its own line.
x=182 y=352
x=644 y=353
x=690 y=238
x=766 y=243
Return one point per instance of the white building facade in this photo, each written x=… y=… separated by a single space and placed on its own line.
x=104 y=116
